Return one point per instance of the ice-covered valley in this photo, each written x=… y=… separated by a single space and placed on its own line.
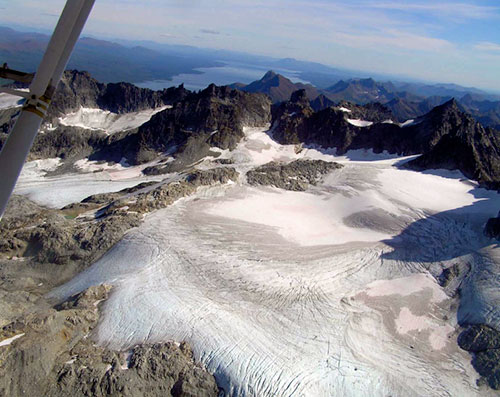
x=331 y=291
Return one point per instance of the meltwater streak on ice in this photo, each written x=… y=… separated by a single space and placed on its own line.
x=270 y=313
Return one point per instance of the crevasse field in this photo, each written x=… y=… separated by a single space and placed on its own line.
x=328 y=292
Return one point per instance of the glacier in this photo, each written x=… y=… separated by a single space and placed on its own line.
x=326 y=292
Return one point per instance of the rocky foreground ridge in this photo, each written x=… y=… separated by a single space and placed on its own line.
x=50 y=354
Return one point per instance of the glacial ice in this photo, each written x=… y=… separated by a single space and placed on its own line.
x=319 y=293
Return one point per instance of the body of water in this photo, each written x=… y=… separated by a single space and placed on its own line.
x=222 y=75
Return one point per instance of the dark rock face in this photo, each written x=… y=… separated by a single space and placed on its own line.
x=484 y=343
x=213 y=117
x=447 y=137
x=459 y=142
x=80 y=89
x=295 y=176
x=374 y=111
x=492 y=228
x=67 y=143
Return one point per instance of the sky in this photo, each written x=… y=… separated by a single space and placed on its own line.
x=440 y=41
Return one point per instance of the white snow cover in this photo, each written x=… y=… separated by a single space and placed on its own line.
x=9 y=101
x=97 y=119
x=343 y=109
x=407 y=123
x=360 y=123
x=8 y=341
x=61 y=190
x=318 y=293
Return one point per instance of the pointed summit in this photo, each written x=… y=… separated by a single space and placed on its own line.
x=269 y=75
x=278 y=87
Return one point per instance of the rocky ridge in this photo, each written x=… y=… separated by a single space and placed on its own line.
x=214 y=117
x=447 y=137
x=68 y=362
x=294 y=176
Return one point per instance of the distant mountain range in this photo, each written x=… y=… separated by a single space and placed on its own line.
x=108 y=62
x=404 y=104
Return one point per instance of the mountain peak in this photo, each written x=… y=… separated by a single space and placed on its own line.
x=271 y=74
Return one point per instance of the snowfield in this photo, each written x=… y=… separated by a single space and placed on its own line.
x=360 y=123
x=61 y=190
x=97 y=119
x=9 y=101
x=326 y=292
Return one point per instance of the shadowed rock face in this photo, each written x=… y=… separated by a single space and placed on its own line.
x=80 y=89
x=447 y=137
x=56 y=357
x=295 y=176
x=492 y=228
x=484 y=343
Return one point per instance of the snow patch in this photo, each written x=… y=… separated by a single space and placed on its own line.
x=360 y=123
x=8 y=101
x=8 y=341
x=98 y=119
x=36 y=169
x=407 y=123
x=343 y=109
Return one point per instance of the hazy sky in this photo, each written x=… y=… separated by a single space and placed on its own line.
x=448 y=41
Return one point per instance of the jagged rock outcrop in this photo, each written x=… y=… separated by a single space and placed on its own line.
x=447 y=138
x=214 y=117
x=373 y=111
x=167 y=193
x=457 y=141
x=484 y=343
x=79 y=89
x=49 y=236
x=295 y=176
x=53 y=355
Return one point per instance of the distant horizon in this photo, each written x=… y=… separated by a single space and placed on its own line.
x=382 y=76
x=451 y=41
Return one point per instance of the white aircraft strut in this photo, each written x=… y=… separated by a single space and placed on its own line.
x=41 y=91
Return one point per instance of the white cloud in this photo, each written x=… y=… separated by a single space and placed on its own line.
x=487 y=46
x=454 y=10
x=394 y=39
